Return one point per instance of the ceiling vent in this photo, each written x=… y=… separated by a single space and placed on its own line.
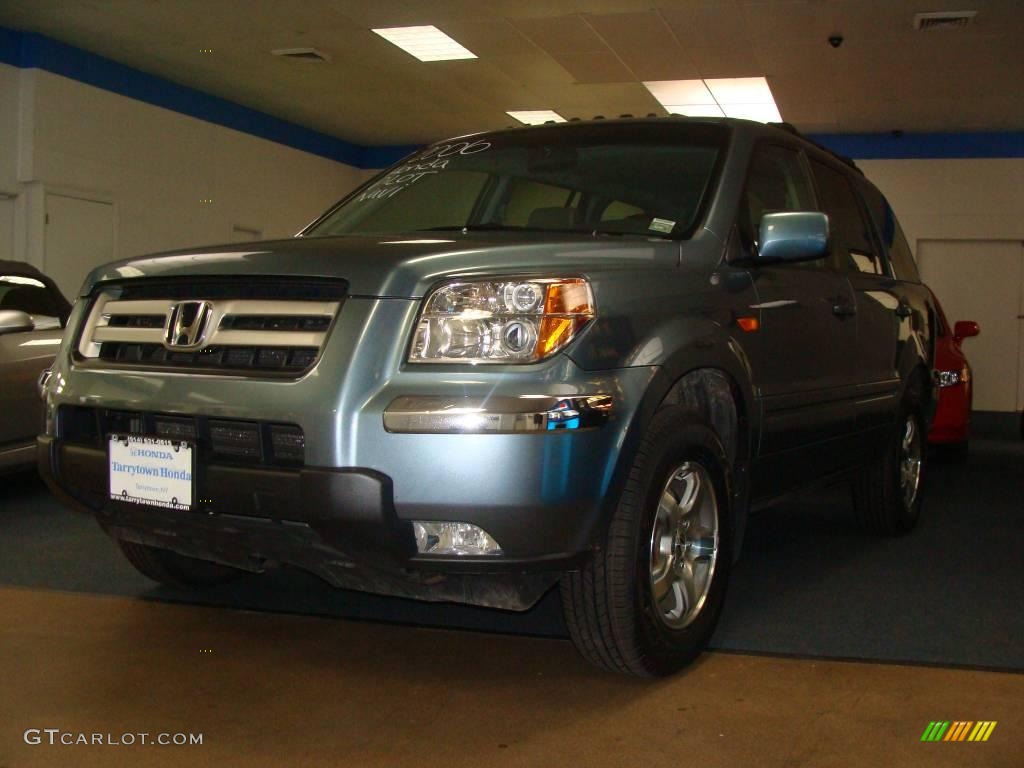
x=302 y=54
x=943 y=19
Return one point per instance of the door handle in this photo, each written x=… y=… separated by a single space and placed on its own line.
x=904 y=310
x=843 y=310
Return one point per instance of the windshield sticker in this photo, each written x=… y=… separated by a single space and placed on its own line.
x=430 y=162
x=662 y=225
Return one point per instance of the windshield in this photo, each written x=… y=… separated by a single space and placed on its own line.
x=615 y=178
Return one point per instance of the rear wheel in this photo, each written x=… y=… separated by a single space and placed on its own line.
x=176 y=570
x=887 y=494
x=647 y=603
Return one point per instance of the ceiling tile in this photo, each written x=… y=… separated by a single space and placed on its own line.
x=488 y=38
x=600 y=67
x=731 y=61
x=562 y=34
x=707 y=24
x=644 y=42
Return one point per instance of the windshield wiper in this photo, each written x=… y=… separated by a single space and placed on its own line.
x=493 y=227
x=478 y=228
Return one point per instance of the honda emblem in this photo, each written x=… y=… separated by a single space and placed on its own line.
x=186 y=325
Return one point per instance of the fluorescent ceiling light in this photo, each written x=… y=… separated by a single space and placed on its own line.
x=748 y=98
x=680 y=91
x=425 y=43
x=695 y=110
x=763 y=113
x=741 y=90
x=536 y=116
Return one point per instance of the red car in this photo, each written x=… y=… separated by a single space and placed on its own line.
x=953 y=416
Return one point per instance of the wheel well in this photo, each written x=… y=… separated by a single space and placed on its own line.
x=713 y=393
x=921 y=381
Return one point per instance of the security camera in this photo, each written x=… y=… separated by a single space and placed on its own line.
x=835 y=40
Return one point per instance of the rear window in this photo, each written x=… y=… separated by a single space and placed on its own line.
x=900 y=255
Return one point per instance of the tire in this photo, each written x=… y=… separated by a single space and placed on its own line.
x=609 y=605
x=883 y=503
x=176 y=570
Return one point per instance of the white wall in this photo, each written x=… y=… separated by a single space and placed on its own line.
x=159 y=169
x=979 y=199
x=967 y=211
x=8 y=128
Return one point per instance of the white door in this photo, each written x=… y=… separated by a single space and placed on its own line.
x=79 y=237
x=6 y=228
x=983 y=280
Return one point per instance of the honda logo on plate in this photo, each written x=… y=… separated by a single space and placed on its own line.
x=186 y=324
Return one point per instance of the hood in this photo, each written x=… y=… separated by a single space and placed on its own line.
x=401 y=266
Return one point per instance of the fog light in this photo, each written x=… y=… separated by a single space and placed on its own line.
x=444 y=538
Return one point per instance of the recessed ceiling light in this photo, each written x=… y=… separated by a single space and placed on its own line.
x=748 y=98
x=536 y=116
x=427 y=43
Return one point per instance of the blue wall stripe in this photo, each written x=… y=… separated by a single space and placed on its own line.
x=887 y=146
x=27 y=49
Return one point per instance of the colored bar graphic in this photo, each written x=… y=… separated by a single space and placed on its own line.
x=958 y=730
x=935 y=730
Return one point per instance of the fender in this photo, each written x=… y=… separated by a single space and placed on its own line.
x=711 y=350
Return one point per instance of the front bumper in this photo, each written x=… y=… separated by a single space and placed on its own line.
x=338 y=524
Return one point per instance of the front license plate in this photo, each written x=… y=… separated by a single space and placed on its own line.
x=151 y=471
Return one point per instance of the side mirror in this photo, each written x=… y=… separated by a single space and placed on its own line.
x=15 y=321
x=793 y=236
x=965 y=329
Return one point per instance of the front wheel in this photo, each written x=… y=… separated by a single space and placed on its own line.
x=647 y=602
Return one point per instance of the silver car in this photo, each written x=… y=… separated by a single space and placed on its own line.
x=32 y=317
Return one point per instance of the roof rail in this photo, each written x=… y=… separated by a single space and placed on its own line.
x=790 y=128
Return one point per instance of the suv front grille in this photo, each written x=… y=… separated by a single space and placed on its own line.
x=245 y=330
x=287 y=359
x=226 y=441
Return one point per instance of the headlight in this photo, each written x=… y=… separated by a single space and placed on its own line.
x=949 y=378
x=501 y=321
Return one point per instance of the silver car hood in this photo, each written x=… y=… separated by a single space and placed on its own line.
x=400 y=266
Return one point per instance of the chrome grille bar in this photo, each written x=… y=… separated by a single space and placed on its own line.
x=120 y=323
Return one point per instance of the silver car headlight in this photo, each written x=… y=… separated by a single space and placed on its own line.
x=501 y=321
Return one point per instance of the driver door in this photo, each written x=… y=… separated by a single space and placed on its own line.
x=805 y=352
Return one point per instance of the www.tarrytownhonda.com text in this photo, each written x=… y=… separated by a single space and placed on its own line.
x=55 y=737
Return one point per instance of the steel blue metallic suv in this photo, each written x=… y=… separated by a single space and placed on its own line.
x=570 y=355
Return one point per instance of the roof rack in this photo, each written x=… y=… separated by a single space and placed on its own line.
x=790 y=128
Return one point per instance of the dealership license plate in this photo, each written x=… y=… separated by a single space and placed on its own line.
x=151 y=471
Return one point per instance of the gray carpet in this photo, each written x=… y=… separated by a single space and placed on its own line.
x=809 y=583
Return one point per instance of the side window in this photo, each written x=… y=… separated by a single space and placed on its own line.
x=27 y=295
x=852 y=245
x=776 y=182
x=900 y=256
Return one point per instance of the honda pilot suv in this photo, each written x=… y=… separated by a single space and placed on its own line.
x=569 y=355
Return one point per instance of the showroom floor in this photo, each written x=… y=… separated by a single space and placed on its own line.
x=839 y=647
